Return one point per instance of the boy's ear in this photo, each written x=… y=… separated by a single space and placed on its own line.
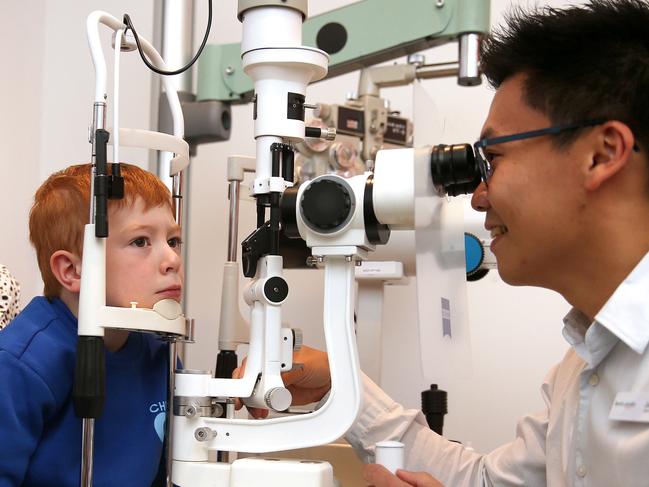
x=66 y=267
x=613 y=149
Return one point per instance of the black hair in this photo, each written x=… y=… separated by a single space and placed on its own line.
x=581 y=63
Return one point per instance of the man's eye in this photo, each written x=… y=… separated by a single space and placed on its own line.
x=490 y=156
x=140 y=242
x=175 y=242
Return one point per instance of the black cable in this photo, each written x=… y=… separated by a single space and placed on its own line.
x=129 y=24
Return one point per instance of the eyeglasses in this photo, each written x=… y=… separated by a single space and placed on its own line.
x=482 y=159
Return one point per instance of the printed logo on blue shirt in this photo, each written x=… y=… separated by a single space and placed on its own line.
x=160 y=419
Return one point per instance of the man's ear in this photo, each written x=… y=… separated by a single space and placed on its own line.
x=66 y=267
x=614 y=142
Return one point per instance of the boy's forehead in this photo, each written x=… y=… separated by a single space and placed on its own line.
x=136 y=215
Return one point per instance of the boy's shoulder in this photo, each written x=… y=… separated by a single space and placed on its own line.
x=42 y=338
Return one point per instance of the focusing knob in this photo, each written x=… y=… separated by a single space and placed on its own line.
x=298 y=339
x=326 y=204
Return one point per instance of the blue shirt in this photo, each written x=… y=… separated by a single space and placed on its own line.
x=40 y=436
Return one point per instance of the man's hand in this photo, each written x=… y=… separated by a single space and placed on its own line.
x=379 y=476
x=307 y=383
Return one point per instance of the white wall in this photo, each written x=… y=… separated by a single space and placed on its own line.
x=46 y=105
x=21 y=54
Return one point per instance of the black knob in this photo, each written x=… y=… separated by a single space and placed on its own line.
x=434 y=406
x=326 y=204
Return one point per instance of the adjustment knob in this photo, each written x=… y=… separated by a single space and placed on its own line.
x=278 y=399
x=327 y=204
x=298 y=339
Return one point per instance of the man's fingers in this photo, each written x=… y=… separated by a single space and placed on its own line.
x=379 y=476
x=302 y=396
x=418 y=479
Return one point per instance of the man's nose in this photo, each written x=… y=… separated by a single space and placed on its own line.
x=479 y=199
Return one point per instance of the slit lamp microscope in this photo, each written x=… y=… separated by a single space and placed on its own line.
x=340 y=219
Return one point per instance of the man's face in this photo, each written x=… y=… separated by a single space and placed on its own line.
x=143 y=256
x=534 y=199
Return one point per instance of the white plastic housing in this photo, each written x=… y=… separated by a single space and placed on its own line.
x=92 y=296
x=271 y=27
x=352 y=233
x=394 y=186
x=294 y=431
x=250 y=472
x=277 y=72
x=273 y=56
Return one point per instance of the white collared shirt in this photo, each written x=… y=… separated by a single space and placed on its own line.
x=570 y=443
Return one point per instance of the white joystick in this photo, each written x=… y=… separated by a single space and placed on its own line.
x=390 y=454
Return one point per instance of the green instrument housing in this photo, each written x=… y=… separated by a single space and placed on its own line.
x=375 y=31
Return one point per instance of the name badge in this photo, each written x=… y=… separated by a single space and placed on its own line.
x=630 y=406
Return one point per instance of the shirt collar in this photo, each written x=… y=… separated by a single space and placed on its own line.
x=591 y=341
x=626 y=313
x=625 y=317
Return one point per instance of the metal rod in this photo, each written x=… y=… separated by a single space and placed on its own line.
x=87 y=448
x=427 y=72
x=171 y=381
x=469 y=55
x=176 y=194
x=233 y=221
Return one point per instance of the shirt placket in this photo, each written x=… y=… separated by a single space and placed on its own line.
x=580 y=469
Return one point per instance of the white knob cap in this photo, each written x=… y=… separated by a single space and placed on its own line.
x=390 y=454
x=278 y=399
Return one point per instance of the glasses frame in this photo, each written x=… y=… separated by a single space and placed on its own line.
x=484 y=165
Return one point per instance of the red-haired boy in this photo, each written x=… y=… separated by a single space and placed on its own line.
x=40 y=443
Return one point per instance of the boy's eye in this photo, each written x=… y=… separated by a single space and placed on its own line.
x=175 y=242
x=140 y=242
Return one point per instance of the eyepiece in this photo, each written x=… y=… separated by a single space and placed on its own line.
x=454 y=168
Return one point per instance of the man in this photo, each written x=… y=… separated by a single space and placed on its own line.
x=565 y=192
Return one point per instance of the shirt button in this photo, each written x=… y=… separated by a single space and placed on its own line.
x=581 y=471
x=593 y=380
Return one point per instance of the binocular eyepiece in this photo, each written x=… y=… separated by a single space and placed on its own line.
x=454 y=168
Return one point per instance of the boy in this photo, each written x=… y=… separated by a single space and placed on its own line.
x=40 y=436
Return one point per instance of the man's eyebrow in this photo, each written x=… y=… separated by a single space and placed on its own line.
x=487 y=133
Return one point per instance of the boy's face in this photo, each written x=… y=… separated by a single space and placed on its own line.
x=143 y=261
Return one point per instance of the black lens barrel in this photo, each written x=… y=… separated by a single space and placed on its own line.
x=454 y=168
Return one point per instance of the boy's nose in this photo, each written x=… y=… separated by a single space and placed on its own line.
x=171 y=261
x=479 y=199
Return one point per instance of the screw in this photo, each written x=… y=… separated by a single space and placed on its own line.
x=440 y=3
x=230 y=70
x=204 y=434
